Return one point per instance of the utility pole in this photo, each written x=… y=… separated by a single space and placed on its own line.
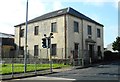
x=25 y=53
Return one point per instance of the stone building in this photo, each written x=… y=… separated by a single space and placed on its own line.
x=76 y=36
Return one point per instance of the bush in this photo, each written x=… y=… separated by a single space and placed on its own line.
x=107 y=55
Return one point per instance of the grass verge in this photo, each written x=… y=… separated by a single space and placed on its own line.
x=19 y=68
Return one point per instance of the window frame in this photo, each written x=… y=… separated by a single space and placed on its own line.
x=53 y=50
x=54 y=27
x=22 y=31
x=36 y=30
x=36 y=50
x=89 y=29
x=98 y=33
x=76 y=26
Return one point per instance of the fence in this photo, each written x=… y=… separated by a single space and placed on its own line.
x=38 y=61
x=14 y=67
x=74 y=56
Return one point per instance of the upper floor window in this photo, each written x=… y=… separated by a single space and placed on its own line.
x=76 y=26
x=89 y=30
x=54 y=27
x=22 y=33
x=98 y=33
x=36 y=30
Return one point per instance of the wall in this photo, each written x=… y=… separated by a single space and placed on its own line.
x=99 y=41
x=44 y=28
x=74 y=37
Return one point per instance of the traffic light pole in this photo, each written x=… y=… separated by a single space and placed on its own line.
x=50 y=60
x=48 y=45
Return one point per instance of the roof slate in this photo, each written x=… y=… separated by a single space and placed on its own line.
x=60 y=12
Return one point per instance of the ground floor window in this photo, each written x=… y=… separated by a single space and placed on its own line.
x=54 y=49
x=36 y=50
x=99 y=50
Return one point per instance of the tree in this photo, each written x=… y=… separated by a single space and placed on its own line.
x=116 y=44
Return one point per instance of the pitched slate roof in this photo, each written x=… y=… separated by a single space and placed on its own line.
x=5 y=35
x=60 y=12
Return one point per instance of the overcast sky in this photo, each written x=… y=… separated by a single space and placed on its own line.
x=13 y=12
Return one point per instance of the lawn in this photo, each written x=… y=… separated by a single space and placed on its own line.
x=19 y=68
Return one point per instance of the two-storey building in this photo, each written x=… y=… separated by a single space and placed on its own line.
x=76 y=36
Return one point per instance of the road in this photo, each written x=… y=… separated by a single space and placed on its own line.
x=109 y=71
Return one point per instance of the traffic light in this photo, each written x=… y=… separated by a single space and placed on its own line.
x=44 y=43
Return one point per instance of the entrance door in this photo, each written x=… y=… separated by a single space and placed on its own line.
x=91 y=52
x=75 y=55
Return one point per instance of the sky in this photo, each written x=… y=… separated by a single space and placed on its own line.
x=13 y=12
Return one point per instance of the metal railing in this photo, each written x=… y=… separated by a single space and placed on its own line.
x=39 y=64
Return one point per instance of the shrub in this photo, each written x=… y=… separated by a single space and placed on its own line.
x=108 y=55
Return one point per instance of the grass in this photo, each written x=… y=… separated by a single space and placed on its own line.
x=19 y=68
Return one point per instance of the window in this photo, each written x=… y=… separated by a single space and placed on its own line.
x=22 y=33
x=75 y=55
x=99 y=50
x=36 y=50
x=98 y=33
x=22 y=51
x=36 y=30
x=54 y=27
x=76 y=26
x=53 y=50
x=76 y=46
x=89 y=30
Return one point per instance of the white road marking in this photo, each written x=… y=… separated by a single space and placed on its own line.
x=47 y=78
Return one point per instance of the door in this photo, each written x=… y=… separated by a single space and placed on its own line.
x=91 y=52
x=75 y=55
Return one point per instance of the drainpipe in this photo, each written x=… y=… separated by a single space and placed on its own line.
x=18 y=46
x=65 y=28
x=82 y=45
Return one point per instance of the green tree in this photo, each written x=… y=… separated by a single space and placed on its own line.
x=116 y=44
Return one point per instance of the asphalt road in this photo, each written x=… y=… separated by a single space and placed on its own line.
x=109 y=71
x=101 y=72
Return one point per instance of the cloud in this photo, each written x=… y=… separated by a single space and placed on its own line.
x=101 y=2
x=57 y=5
x=13 y=12
x=79 y=0
x=115 y=4
x=36 y=8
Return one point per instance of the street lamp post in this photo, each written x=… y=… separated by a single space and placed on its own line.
x=25 y=53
